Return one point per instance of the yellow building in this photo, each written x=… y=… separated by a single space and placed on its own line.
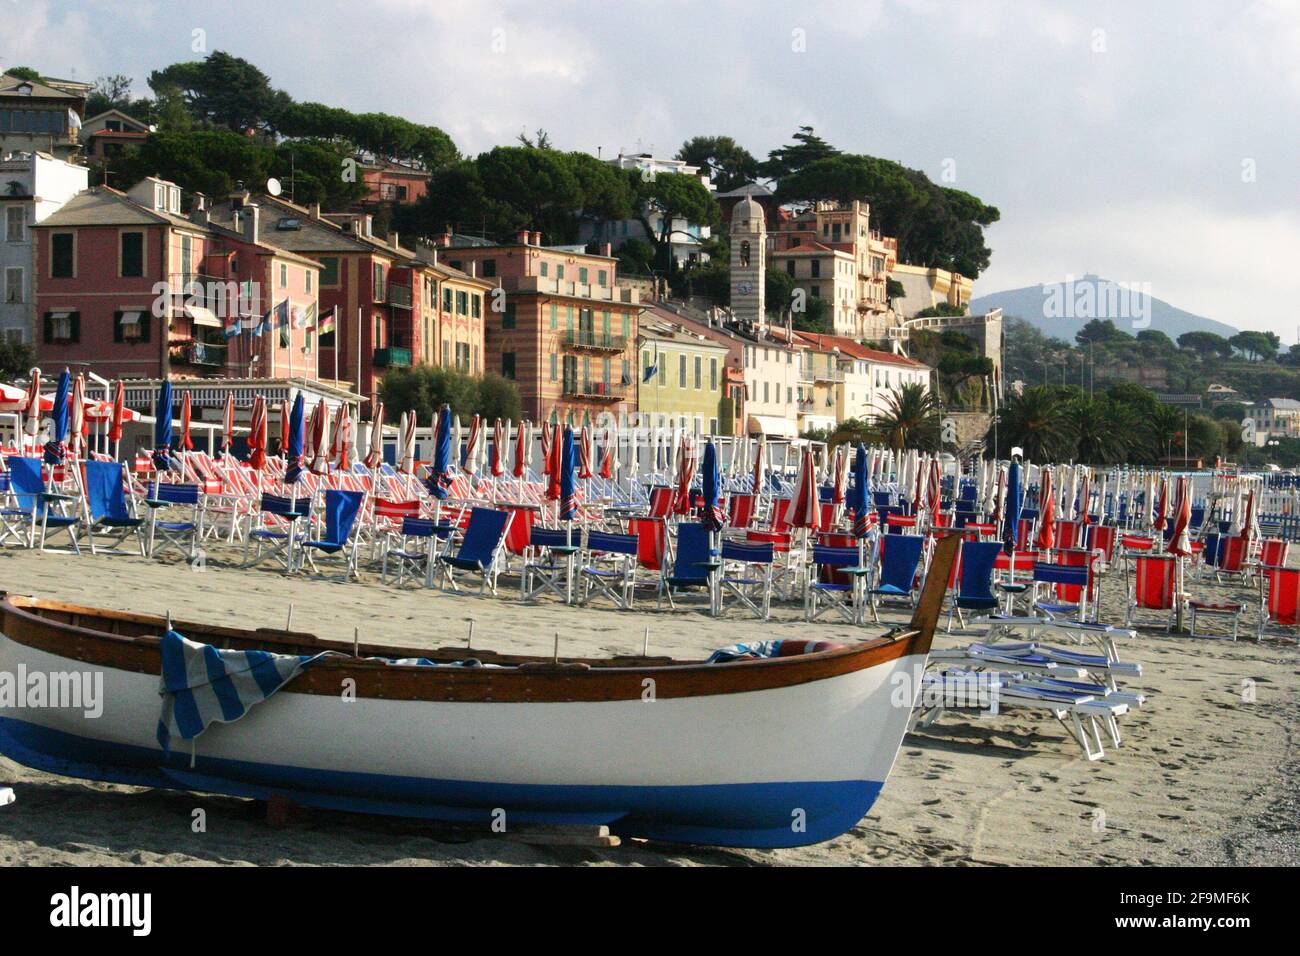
x=681 y=379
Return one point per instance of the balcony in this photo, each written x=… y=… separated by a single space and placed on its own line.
x=392 y=357
x=399 y=296
x=597 y=391
x=548 y=285
x=582 y=339
x=828 y=375
x=210 y=354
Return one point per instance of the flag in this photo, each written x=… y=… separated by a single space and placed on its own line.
x=232 y=326
x=259 y=326
x=282 y=314
x=326 y=323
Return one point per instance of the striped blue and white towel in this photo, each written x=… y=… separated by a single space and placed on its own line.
x=201 y=684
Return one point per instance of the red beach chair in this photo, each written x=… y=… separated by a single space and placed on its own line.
x=1155 y=587
x=1282 y=604
x=740 y=511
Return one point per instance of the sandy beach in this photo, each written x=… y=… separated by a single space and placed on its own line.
x=1206 y=773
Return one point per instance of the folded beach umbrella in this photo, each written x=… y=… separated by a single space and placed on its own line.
x=546 y=434
x=585 y=456
x=713 y=517
x=309 y=437
x=118 y=414
x=805 y=510
x=497 y=458
x=567 y=466
x=1046 y=537
x=857 y=498
x=685 y=475
x=293 y=448
x=77 y=428
x=522 y=439
x=285 y=413
x=1249 y=530
x=469 y=461
x=440 y=477
x=1015 y=499
x=162 y=425
x=1083 y=502
x=554 y=446
x=408 y=442
x=609 y=455
x=320 y=441
x=841 y=474
x=760 y=452
x=633 y=453
x=1162 y=500
x=934 y=489
x=227 y=421
x=33 y=423
x=457 y=436
x=257 y=435
x=1180 y=541
x=375 y=450
x=186 y=443
x=341 y=448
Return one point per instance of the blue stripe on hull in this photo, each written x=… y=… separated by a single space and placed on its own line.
x=740 y=815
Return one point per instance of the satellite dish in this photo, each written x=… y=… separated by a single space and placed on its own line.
x=273 y=186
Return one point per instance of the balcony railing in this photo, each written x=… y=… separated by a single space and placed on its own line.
x=392 y=357
x=206 y=353
x=582 y=339
x=585 y=388
x=399 y=296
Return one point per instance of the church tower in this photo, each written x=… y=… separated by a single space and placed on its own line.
x=748 y=262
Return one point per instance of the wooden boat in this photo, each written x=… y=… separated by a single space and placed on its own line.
x=772 y=752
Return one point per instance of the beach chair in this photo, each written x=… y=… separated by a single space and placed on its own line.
x=661 y=501
x=652 y=550
x=410 y=549
x=693 y=563
x=1232 y=557
x=975 y=580
x=898 y=567
x=609 y=568
x=747 y=575
x=337 y=540
x=37 y=511
x=481 y=550
x=1229 y=609
x=183 y=530
x=270 y=535
x=1279 y=600
x=740 y=510
x=1273 y=553
x=835 y=581
x=549 y=563
x=109 y=512
x=1155 y=587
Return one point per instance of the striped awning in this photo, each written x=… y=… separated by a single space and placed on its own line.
x=202 y=315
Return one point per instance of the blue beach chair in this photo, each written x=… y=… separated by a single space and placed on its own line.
x=184 y=529
x=693 y=563
x=337 y=541
x=610 y=567
x=549 y=562
x=411 y=549
x=110 y=513
x=747 y=575
x=35 y=508
x=900 y=558
x=822 y=592
x=975 y=580
x=270 y=530
x=480 y=549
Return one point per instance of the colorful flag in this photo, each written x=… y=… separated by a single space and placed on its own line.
x=327 y=321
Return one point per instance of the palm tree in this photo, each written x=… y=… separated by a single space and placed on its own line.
x=1107 y=432
x=1039 y=421
x=910 y=419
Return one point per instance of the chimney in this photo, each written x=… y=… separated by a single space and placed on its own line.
x=522 y=236
x=239 y=196
x=445 y=239
x=249 y=221
x=198 y=202
x=607 y=250
x=537 y=238
x=370 y=226
x=315 y=210
x=473 y=268
x=394 y=239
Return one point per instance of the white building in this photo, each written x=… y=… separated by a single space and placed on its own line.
x=686 y=237
x=773 y=375
x=32 y=187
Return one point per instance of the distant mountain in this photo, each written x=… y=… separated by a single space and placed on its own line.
x=1062 y=308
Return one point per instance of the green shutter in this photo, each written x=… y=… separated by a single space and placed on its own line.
x=117 y=327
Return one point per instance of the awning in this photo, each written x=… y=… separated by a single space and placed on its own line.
x=130 y=318
x=773 y=426
x=203 y=316
x=59 y=315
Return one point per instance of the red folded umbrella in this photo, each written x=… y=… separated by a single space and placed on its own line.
x=1046 y=537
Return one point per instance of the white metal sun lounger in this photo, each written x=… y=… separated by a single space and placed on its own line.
x=1104 y=635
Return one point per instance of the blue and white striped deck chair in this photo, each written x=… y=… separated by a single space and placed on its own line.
x=975 y=580
x=823 y=593
x=14 y=521
x=481 y=550
x=411 y=550
x=337 y=539
x=897 y=566
x=37 y=509
x=609 y=567
x=270 y=534
x=182 y=530
x=110 y=513
x=549 y=562
x=747 y=575
x=692 y=563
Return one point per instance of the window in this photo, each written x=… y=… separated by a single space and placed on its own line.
x=508 y=364
x=62 y=245
x=377 y=275
x=713 y=375
x=14 y=285
x=681 y=371
x=554 y=366
x=766 y=394
x=507 y=317
x=582 y=274
x=131 y=256
x=187 y=259
x=626 y=325
x=545 y=268
x=131 y=326
x=602 y=277
x=605 y=373
x=462 y=303
x=489 y=268
x=446 y=353
x=446 y=299
x=306 y=280
x=627 y=372
x=816 y=267
x=476 y=306
x=699 y=372
x=816 y=291
x=559 y=271
x=15 y=223
x=555 y=315
x=789 y=267
x=62 y=328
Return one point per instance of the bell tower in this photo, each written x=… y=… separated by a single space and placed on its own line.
x=748 y=263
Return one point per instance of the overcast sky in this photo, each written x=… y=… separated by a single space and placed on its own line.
x=1152 y=142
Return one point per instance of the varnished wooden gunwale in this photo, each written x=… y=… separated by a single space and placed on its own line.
x=128 y=641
